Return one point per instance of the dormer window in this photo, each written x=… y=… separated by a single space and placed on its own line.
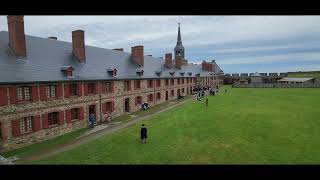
x=67 y=70
x=158 y=73
x=139 y=72
x=172 y=73
x=198 y=74
x=112 y=72
x=189 y=73
x=182 y=73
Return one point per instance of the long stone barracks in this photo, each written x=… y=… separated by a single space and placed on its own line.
x=50 y=87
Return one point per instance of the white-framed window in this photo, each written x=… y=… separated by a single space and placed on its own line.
x=53 y=118
x=26 y=124
x=24 y=93
x=108 y=87
x=51 y=91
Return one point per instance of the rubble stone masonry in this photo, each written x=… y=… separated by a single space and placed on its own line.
x=39 y=108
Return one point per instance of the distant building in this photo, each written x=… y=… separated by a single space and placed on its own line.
x=256 y=78
x=243 y=81
x=296 y=80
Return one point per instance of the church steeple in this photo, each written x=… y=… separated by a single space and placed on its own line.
x=179 y=49
x=179 y=42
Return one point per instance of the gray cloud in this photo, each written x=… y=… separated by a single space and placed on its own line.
x=205 y=37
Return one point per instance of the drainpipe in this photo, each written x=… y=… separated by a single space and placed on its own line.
x=154 y=92
x=99 y=90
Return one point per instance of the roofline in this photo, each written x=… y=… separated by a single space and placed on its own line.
x=86 y=80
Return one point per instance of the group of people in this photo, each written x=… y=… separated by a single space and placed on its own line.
x=213 y=91
x=145 y=106
x=93 y=121
x=180 y=97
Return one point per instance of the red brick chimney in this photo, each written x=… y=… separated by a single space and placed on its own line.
x=204 y=67
x=210 y=67
x=17 y=40
x=178 y=62
x=78 y=45
x=118 y=49
x=168 y=60
x=137 y=55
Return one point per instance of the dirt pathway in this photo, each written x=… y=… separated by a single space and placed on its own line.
x=93 y=136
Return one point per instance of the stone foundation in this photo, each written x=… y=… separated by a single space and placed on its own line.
x=18 y=111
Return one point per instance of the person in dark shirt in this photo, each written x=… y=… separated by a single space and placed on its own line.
x=92 y=120
x=143 y=134
x=207 y=102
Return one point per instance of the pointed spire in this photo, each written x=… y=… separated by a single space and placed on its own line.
x=179 y=49
x=179 y=42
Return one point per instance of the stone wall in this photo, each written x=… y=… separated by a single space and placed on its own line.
x=277 y=85
x=18 y=111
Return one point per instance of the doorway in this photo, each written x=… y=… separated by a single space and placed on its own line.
x=0 y=132
x=167 y=95
x=92 y=110
x=126 y=105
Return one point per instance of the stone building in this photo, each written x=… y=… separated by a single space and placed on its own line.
x=256 y=78
x=49 y=87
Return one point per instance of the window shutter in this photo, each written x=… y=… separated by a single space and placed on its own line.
x=129 y=85
x=16 y=127
x=3 y=96
x=113 y=106
x=104 y=108
x=34 y=93
x=66 y=90
x=103 y=87
x=97 y=88
x=81 y=113
x=68 y=115
x=85 y=89
x=43 y=95
x=59 y=91
x=36 y=123
x=61 y=118
x=112 y=86
x=13 y=95
x=80 y=92
x=45 y=123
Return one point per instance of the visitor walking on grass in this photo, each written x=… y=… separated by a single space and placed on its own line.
x=207 y=102
x=92 y=120
x=143 y=133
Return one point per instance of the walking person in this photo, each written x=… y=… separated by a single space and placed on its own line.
x=207 y=102
x=92 y=120
x=143 y=134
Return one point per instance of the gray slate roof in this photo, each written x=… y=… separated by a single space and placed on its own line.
x=46 y=57
x=294 y=79
x=256 y=75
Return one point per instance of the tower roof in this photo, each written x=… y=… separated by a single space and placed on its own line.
x=179 y=41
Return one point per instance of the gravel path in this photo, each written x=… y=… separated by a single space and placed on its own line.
x=94 y=135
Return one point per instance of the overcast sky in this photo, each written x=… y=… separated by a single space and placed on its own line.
x=237 y=43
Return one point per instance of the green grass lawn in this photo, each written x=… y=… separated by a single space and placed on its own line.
x=51 y=143
x=243 y=126
x=305 y=75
